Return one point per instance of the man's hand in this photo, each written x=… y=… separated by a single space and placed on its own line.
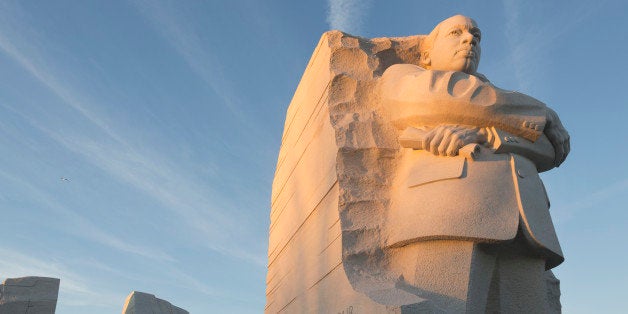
x=446 y=140
x=558 y=136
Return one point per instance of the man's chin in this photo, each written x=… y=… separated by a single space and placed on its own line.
x=469 y=67
x=469 y=71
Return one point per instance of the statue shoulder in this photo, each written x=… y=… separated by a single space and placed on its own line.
x=482 y=78
x=403 y=69
x=401 y=79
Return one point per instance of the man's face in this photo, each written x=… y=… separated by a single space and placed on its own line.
x=457 y=46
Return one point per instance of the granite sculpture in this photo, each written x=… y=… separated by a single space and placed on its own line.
x=144 y=303
x=37 y=295
x=407 y=182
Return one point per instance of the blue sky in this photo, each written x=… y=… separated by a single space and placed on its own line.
x=166 y=117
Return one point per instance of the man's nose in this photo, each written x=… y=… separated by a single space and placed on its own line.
x=468 y=38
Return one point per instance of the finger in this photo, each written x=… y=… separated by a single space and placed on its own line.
x=427 y=139
x=482 y=136
x=435 y=142
x=458 y=140
x=566 y=149
x=555 y=138
x=442 y=148
x=454 y=147
x=565 y=144
x=558 y=154
x=444 y=143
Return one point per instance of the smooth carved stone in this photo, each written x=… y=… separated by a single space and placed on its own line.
x=145 y=303
x=407 y=182
x=36 y=295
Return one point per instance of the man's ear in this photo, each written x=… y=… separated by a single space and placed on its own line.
x=425 y=59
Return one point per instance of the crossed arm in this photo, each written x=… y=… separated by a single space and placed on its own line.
x=461 y=109
x=448 y=139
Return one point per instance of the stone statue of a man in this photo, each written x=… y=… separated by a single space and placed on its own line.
x=407 y=182
x=469 y=217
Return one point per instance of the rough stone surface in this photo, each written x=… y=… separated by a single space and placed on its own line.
x=553 y=292
x=366 y=217
x=36 y=295
x=305 y=272
x=145 y=303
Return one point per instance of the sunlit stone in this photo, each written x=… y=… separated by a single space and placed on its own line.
x=407 y=182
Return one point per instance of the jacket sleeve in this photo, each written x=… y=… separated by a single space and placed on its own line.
x=413 y=96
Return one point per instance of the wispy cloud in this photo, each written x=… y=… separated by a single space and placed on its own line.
x=15 y=45
x=530 y=42
x=74 y=289
x=81 y=226
x=158 y=177
x=348 y=15
x=161 y=180
x=173 y=23
x=187 y=42
x=518 y=50
x=592 y=200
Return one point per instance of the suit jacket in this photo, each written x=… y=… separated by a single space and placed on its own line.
x=482 y=196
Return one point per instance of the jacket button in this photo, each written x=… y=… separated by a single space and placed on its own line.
x=520 y=173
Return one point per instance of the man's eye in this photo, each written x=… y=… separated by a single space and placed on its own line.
x=455 y=32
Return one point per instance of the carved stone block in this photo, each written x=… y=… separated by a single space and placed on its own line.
x=145 y=303
x=36 y=295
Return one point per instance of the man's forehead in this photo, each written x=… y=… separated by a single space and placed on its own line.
x=459 y=21
x=464 y=26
